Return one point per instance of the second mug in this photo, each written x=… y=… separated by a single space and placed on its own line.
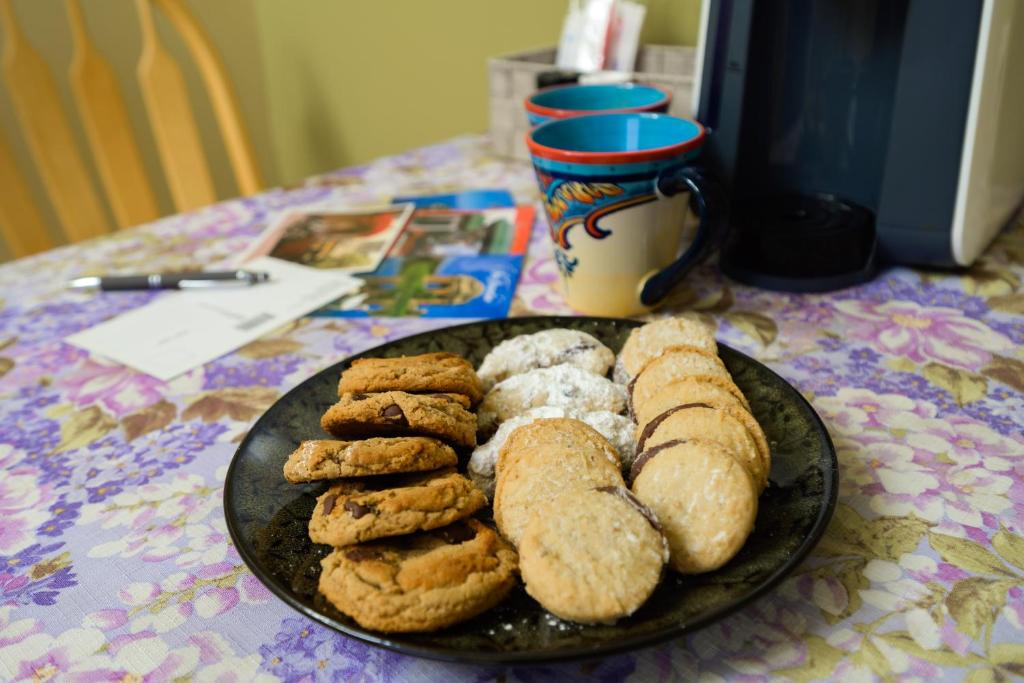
x=565 y=101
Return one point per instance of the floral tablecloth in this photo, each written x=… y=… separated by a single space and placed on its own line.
x=115 y=563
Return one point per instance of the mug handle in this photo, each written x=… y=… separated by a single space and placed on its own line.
x=705 y=196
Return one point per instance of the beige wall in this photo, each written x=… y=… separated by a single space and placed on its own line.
x=323 y=83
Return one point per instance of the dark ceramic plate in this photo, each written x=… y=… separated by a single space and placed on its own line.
x=267 y=516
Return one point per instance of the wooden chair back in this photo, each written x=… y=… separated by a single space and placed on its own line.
x=100 y=104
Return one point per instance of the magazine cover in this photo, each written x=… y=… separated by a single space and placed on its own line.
x=446 y=263
x=350 y=241
x=467 y=199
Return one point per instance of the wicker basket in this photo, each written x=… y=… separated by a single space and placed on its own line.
x=514 y=77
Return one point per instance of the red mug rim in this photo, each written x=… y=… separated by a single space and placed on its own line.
x=557 y=113
x=624 y=157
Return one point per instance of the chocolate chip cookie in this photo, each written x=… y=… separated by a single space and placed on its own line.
x=421 y=582
x=454 y=398
x=592 y=555
x=352 y=512
x=428 y=373
x=327 y=459
x=704 y=498
x=397 y=413
x=543 y=350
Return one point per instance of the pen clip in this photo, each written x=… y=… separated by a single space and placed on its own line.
x=242 y=278
x=212 y=284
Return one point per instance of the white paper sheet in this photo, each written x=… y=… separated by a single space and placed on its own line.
x=186 y=329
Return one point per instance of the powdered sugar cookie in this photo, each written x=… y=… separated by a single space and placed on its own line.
x=563 y=386
x=544 y=350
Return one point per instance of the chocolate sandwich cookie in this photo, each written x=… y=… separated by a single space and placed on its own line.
x=327 y=459
x=592 y=555
x=729 y=426
x=696 y=389
x=420 y=582
x=704 y=498
x=396 y=413
x=429 y=373
x=649 y=341
x=676 y=363
x=352 y=512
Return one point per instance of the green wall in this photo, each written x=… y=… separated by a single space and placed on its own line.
x=348 y=80
x=322 y=83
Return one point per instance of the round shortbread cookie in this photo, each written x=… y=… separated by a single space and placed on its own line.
x=748 y=421
x=675 y=364
x=697 y=389
x=560 y=432
x=592 y=555
x=561 y=386
x=651 y=340
x=423 y=581
x=534 y=475
x=543 y=350
x=703 y=497
x=718 y=423
x=617 y=429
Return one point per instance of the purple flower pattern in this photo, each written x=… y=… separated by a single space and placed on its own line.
x=305 y=651
x=115 y=562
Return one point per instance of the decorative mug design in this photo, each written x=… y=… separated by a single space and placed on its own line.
x=617 y=191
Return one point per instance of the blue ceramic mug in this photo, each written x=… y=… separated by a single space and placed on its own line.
x=617 y=193
x=564 y=101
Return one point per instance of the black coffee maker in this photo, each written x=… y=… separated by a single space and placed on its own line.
x=852 y=132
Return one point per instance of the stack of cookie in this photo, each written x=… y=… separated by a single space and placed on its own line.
x=589 y=551
x=406 y=558
x=702 y=460
x=550 y=374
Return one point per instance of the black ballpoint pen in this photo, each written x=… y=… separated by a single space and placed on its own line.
x=184 y=280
